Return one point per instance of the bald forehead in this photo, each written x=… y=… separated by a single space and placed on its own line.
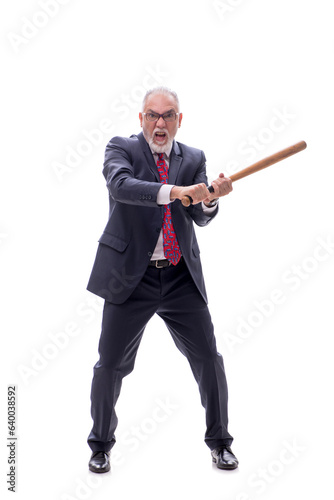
x=161 y=103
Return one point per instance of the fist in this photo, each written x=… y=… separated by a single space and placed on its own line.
x=222 y=186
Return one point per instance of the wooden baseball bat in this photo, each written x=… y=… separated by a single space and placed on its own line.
x=266 y=162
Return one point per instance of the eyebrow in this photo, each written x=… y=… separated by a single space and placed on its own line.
x=155 y=112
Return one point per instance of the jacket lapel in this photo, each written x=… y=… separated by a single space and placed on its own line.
x=175 y=163
x=148 y=156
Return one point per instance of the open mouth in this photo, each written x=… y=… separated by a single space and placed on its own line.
x=160 y=136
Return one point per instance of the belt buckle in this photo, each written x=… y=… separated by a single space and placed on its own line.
x=165 y=263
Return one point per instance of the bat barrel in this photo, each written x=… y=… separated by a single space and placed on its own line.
x=270 y=160
x=260 y=165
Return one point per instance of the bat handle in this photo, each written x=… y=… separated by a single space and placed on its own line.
x=187 y=200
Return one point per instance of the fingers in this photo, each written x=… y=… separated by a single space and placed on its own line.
x=222 y=186
x=198 y=192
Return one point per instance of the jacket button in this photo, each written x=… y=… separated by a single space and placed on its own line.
x=149 y=254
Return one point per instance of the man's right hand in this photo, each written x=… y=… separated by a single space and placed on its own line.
x=198 y=192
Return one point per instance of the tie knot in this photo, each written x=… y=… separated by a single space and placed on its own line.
x=161 y=156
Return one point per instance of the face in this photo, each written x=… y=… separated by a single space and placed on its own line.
x=160 y=134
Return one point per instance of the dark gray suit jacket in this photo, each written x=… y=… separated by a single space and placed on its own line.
x=135 y=219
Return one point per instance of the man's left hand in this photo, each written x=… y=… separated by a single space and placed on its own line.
x=222 y=186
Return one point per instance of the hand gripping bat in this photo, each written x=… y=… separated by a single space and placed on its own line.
x=266 y=162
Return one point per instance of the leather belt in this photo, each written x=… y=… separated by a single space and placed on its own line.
x=160 y=263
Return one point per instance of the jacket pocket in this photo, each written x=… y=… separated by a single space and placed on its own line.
x=114 y=242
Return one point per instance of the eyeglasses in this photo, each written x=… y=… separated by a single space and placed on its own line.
x=169 y=116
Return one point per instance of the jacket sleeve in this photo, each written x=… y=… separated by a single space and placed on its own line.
x=122 y=184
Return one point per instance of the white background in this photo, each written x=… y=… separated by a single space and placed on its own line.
x=235 y=67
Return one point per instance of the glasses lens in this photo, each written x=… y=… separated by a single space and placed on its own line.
x=170 y=116
x=152 y=117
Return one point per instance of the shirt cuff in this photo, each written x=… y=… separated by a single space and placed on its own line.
x=208 y=210
x=163 y=196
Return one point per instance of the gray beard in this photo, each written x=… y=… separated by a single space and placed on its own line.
x=160 y=149
x=156 y=148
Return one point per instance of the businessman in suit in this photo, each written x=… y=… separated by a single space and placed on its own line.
x=148 y=263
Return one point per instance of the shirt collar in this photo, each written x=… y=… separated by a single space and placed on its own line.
x=166 y=153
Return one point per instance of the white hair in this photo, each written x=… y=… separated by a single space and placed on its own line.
x=160 y=90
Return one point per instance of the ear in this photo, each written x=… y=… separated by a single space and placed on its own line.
x=141 y=119
x=180 y=119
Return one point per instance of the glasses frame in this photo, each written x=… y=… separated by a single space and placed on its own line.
x=161 y=116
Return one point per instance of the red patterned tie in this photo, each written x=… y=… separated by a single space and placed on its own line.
x=171 y=246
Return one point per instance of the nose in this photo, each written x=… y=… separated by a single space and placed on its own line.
x=161 y=122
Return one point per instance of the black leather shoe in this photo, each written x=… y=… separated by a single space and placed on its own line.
x=99 y=462
x=224 y=458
